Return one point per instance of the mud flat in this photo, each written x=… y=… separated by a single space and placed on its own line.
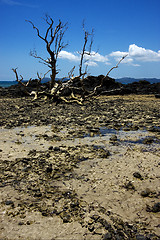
x=80 y=172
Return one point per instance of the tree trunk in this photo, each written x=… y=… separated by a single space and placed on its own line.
x=53 y=75
x=53 y=67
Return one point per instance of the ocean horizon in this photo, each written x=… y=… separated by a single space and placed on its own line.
x=125 y=80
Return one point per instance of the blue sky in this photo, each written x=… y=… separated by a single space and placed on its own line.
x=120 y=27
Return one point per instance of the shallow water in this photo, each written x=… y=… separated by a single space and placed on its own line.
x=41 y=137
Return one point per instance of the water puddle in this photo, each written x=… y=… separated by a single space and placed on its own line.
x=20 y=140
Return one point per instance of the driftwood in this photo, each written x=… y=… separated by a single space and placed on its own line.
x=57 y=91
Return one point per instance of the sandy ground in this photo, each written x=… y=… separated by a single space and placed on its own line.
x=100 y=182
x=108 y=183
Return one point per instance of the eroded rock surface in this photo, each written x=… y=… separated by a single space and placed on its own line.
x=80 y=172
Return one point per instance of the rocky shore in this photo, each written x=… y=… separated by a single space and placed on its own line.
x=80 y=172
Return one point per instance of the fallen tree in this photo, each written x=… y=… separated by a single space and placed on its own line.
x=76 y=89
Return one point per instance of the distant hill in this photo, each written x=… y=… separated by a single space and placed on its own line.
x=123 y=80
x=126 y=80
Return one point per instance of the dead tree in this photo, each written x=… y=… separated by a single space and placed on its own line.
x=94 y=92
x=23 y=84
x=54 y=44
x=86 y=51
x=53 y=38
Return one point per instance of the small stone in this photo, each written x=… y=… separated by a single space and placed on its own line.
x=129 y=186
x=32 y=153
x=148 y=140
x=38 y=194
x=9 y=202
x=44 y=213
x=146 y=192
x=137 y=175
x=56 y=149
x=21 y=223
x=74 y=204
x=50 y=148
x=104 y=153
x=66 y=219
x=49 y=168
x=28 y=222
x=156 y=207
x=113 y=138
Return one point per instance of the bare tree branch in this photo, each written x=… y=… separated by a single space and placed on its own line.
x=84 y=51
x=20 y=80
x=51 y=36
x=101 y=84
x=117 y=64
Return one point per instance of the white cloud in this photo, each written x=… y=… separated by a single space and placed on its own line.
x=11 y=2
x=118 y=54
x=89 y=59
x=136 y=53
x=68 y=55
x=96 y=57
x=17 y=3
x=142 y=54
x=91 y=64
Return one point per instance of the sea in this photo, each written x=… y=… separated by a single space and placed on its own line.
x=6 y=83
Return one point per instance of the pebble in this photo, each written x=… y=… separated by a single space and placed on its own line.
x=137 y=175
x=146 y=192
x=113 y=138
x=9 y=202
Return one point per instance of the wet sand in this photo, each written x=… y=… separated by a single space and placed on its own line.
x=85 y=175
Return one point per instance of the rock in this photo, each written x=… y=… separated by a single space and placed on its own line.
x=50 y=148
x=155 y=208
x=148 y=140
x=146 y=192
x=56 y=149
x=65 y=216
x=74 y=204
x=21 y=223
x=137 y=175
x=103 y=153
x=38 y=194
x=129 y=186
x=9 y=202
x=49 y=168
x=113 y=138
x=32 y=153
